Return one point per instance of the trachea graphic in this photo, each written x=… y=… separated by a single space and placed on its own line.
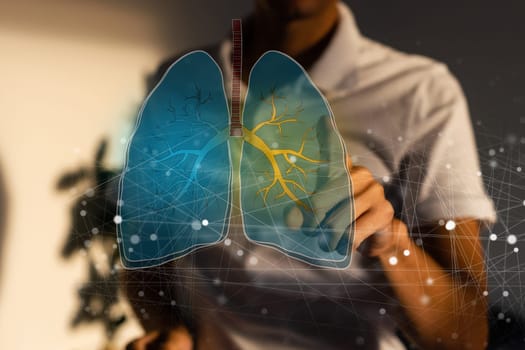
x=235 y=125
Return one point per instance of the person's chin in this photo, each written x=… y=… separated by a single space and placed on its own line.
x=292 y=10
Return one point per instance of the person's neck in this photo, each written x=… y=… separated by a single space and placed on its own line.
x=303 y=39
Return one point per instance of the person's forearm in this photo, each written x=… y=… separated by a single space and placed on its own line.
x=447 y=310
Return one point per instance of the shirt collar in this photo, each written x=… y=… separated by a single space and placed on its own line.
x=339 y=58
x=336 y=63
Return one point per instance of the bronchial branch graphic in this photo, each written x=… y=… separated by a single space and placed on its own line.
x=175 y=189
x=290 y=156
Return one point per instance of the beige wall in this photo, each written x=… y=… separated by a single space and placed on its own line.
x=70 y=72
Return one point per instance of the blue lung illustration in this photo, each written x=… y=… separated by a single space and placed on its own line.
x=296 y=194
x=175 y=187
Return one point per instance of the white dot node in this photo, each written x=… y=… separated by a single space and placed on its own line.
x=161 y=293
x=369 y=131
x=123 y=140
x=492 y=152
x=83 y=212
x=221 y=299
x=516 y=249
x=386 y=179
x=512 y=239
x=120 y=202
x=274 y=145
x=240 y=252
x=448 y=166
x=450 y=225
x=253 y=260
x=196 y=225
x=478 y=173
x=454 y=335
x=382 y=311
x=360 y=340
x=441 y=222
x=493 y=237
x=95 y=231
x=135 y=239
x=392 y=260
x=205 y=222
x=227 y=242
x=519 y=169
x=293 y=159
x=505 y=293
x=153 y=237
x=485 y=293
x=501 y=316
x=90 y=192
x=131 y=250
x=430 y=281
x=400 y=138
x=425 y=299
x=216 y=281
x=140 y=293
x=264 y=311
x=523 y=202
x=406 y=252
x=173 y=303
x=117 y=219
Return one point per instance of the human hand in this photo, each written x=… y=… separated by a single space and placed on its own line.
x=174 y=339
x=376 y=231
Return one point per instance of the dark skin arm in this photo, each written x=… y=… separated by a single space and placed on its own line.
x=440 y=288
x=439 y=285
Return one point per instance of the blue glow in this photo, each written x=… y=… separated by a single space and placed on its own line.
x=178 y=171
x=175 y=190
x=308 y=182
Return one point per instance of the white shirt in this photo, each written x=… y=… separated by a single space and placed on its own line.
x=405 y=118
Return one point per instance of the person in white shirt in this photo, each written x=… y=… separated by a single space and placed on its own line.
x=418 y=275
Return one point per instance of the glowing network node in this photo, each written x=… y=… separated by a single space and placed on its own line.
x=450 y=225
x=196 y=225
x=392 y=260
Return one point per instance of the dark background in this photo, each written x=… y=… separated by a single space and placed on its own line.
x=483 y=43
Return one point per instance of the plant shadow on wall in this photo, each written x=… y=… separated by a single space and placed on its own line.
x=92 y=234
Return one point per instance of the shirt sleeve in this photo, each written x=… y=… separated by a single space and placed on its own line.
x=444 y=177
